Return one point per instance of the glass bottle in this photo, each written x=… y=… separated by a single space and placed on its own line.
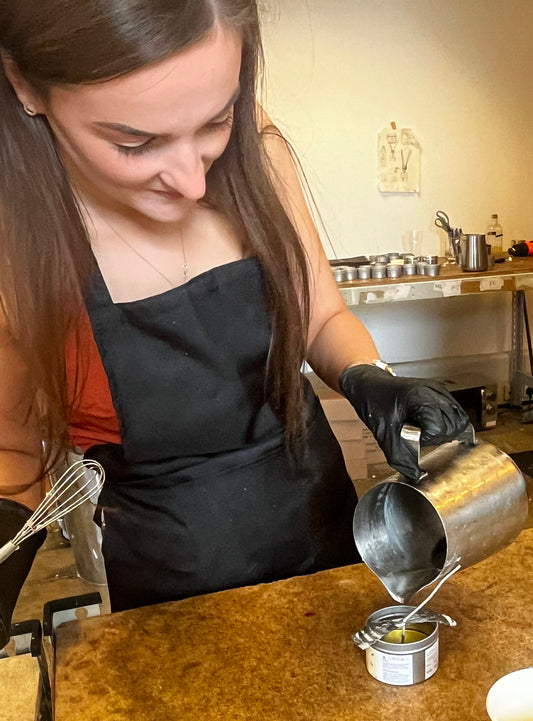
x=495 y=235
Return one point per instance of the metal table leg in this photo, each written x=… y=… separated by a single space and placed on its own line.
x=518 y=377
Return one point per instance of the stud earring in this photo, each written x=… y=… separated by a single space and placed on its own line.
x=29 y=110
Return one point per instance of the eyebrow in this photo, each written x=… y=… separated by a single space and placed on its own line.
x=128 y=130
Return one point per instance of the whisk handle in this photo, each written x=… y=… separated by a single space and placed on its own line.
x=7 y=549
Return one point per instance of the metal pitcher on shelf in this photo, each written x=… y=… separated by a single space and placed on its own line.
x=472 y=252
x=472 y=503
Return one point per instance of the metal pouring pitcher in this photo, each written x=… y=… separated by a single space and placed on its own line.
x=473 y=252
x=472 y=503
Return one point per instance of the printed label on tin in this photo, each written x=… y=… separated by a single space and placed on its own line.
x=432 y=659
x=396 y=670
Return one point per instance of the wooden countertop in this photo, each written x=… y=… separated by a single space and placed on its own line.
x=19 y=688
x=283 y=651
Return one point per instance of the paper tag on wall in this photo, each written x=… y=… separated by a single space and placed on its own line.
x=398 y=160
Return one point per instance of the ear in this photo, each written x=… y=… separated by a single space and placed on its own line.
x=28 y=96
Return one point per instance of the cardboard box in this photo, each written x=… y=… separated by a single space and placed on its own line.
x=347 y=430
x=354 y=454
x=336 y=407
x=373 y=452
x=353 y=449
x=356 y=468
x=358 y=445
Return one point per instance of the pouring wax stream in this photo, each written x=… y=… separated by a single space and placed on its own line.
x=423 y=603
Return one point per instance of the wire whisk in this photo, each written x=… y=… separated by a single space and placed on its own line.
x=79 y=482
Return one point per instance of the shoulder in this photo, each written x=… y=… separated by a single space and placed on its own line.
x=289 y=181
x=278 y=148
x=285 y=170
x=264 y=121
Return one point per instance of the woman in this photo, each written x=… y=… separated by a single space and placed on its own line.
x=161 y=284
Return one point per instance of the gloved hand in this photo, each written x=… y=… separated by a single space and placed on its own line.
x=13 y=570
x=385 y=403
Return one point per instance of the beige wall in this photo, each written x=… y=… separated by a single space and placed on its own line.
x=458 y=72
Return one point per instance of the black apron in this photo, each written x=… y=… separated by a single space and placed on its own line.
x=202 y=494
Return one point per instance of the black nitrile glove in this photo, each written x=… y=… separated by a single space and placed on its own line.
x=13 y=570
x=385 y=403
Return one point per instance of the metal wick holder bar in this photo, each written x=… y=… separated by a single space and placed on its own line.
x=375 y=630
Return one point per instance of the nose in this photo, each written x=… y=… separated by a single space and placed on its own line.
x=184 y=172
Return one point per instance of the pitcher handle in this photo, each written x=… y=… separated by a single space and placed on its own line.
x=411 y=435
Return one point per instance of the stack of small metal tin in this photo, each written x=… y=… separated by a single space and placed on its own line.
x=390 y=265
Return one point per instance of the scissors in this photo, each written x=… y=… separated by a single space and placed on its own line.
x=442 y=221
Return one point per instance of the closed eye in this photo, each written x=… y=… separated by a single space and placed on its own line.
x=134 y=149
x=222 y=124
x=146 y=146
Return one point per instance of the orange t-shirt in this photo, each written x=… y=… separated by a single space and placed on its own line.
x=93 y=419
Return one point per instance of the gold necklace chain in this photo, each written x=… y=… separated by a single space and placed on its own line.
x=185 y=265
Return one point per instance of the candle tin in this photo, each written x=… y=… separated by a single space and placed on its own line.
x=340 y=273
x=394 y=270
x=403 y=664
x=421 y=267
x=379 y=271
x=381 y=259
x=364 y=272
x=409 y=269
x=351 y=273
x=432 y=269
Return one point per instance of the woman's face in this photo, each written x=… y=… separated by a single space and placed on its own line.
x=141 y=144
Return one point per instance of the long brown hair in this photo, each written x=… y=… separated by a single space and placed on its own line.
x=45 y=257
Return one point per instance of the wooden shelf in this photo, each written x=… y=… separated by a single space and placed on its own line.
x=512 y=275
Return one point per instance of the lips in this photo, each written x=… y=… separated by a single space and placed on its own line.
x=171 y=195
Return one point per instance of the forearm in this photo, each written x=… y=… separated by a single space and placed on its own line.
x=21 y=490
x=341 y=341
x=15 y=568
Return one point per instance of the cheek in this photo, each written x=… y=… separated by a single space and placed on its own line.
x=107 y=165
x=98 y=161
x=216 y=147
